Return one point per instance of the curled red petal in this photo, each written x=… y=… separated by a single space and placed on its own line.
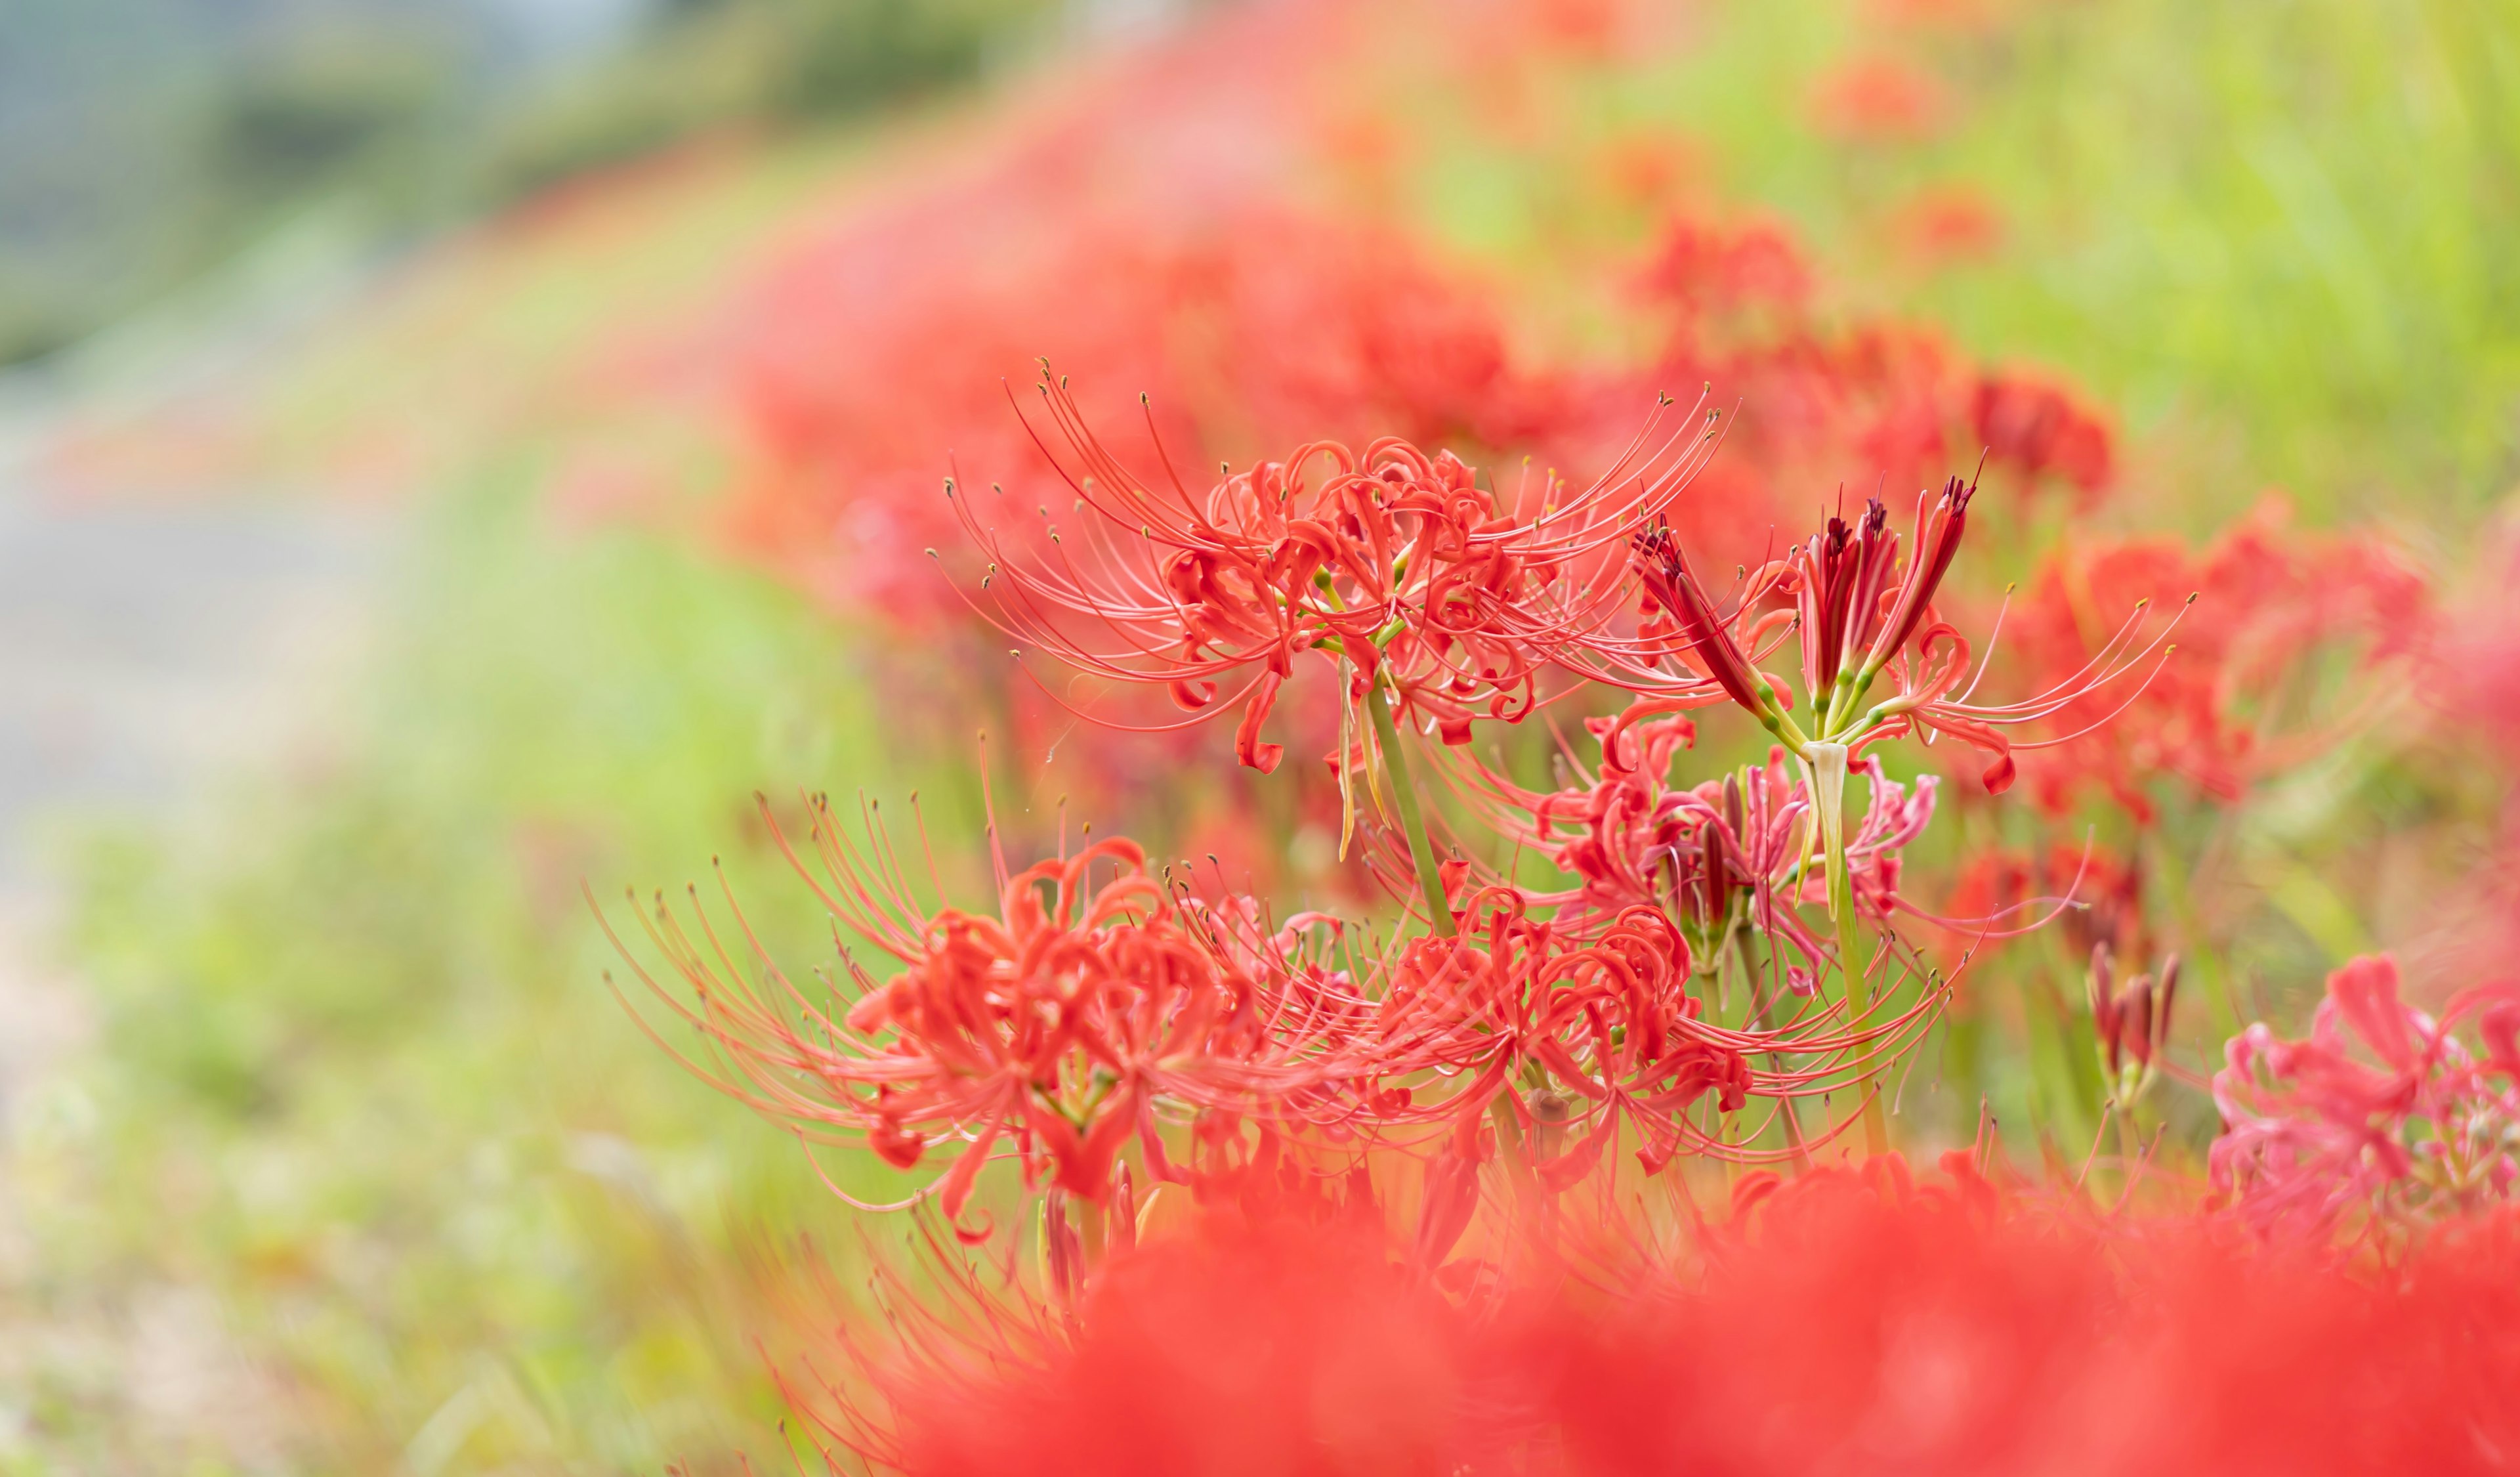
x=1247 y=747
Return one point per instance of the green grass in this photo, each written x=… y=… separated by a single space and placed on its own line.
x=361 y=1077
x=2274 y=235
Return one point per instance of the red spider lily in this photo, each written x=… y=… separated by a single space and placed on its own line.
x=2382 y=1114
x=1097 y=1005
x=1704 y=267
x=1857 y=611
x=2130 y=1023
x=1949 y=224
x=2039 y=431
x=1584 y=1029
x=1876 y=99
x=1841 y=1324
x=1566 y=1033
x=1631 y=838
x=2247 y=697
x=1394 y=563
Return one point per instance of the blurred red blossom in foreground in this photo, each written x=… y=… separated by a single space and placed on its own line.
x=1843 y=1323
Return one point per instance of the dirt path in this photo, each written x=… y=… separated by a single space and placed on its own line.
x=149 y=651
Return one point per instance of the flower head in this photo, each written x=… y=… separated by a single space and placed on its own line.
x=1859 y=611
x=2298 y=638
x=1096 y=1004
x=1397 y=566
x=1735 y=849
x=2383 y=1113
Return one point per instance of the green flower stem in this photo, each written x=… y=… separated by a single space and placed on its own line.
x=1855 y=960
x=1760 y=1006
x=1439 y=913
x=1404 y=793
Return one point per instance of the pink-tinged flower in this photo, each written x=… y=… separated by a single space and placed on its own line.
x=1859 y=612
x=1097 y=1005
x=2382 y=1114
x=1396 y=566
x=1631 y=837
x=2475 y=671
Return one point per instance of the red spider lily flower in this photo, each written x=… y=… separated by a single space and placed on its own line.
x=1839 y=1324
x=1097 y=1005
x=2383 y=1113
x=1394 y=563
x=2284 y=615
x=1585 y=1030
x=2130 y=1023
x=1566 y=1032
x=1875 y=98
x=2039 y=431
x=1949 y=224
x=1706 y=268
x=1631 y=838
x=1859 y=612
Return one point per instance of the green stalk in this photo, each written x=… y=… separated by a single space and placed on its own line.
x=1855 y=956
x=1404 y=793
x=1760 y=1005
x=1439 y=912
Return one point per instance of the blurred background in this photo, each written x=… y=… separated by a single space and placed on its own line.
x=454 y=452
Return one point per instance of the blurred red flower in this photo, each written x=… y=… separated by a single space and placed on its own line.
x=2244 y=695
x=1840 y=1325
x=1949 y=224
x=2381 y=1114
x=1880 y=100
x=2039 y=430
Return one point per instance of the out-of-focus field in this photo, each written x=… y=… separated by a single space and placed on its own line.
x=361 y=1169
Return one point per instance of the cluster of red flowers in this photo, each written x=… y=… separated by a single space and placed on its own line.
x=1840 y=1323
x=1161 y=262
x=2244 y=698
x=1675 y=982
x=1822 y=404
x=1384 y=1126
x=1097 y=998
x=2384 y=1113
